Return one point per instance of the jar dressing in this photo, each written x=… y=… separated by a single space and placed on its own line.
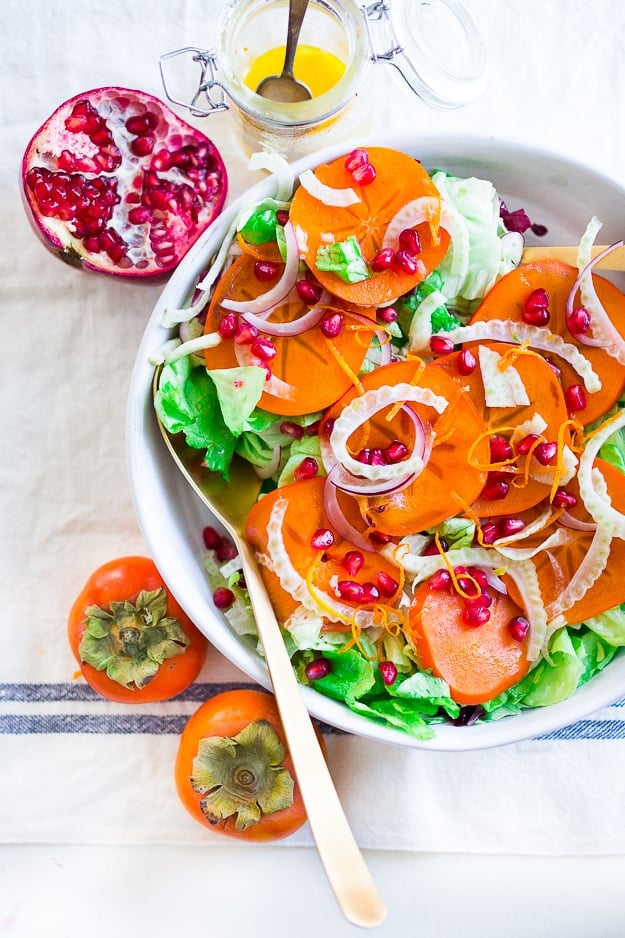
x=432 y=44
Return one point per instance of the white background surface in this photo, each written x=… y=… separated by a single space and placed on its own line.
x=557 y=80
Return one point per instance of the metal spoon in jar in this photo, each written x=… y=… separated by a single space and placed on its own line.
x=284 y=87
x=348 y=875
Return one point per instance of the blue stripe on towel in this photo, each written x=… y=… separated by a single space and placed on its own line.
x=156 y=724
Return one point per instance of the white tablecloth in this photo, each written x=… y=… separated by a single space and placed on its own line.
x=75 y=770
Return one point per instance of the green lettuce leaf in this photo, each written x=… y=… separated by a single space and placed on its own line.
x=238 y=391
x=343 y=258
x=187 y=402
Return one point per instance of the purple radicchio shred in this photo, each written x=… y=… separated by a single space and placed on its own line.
x=468 y=715
x=519 y=221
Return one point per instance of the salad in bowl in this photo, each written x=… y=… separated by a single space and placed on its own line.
x=437 y=430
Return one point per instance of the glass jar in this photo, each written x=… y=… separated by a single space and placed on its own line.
x=433 y=45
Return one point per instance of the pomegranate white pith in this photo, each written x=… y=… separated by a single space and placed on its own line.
x=115 y=182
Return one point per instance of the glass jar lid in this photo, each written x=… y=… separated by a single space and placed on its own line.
x=435 y=46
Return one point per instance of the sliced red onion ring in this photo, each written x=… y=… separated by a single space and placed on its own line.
x=297 y=326
x=567 y=520
x=355 y=485
x=280 y=289
x=339 y=522
x=361 y=409
x=605 y=335
x=382 y=337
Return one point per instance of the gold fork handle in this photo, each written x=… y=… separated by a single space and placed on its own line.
x=348 y=875
x=567 y=253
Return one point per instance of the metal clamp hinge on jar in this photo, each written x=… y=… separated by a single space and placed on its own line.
x=208 y=85
x=379 y=12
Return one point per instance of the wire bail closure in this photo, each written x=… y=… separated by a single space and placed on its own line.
x=208 y=86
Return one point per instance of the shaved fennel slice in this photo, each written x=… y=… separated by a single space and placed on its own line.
x=603 y=329
x=596 y=501
x=209 y=340
x=566 y=470
x=523 y=573
x=503 y=387
x=280 y=289
x=555 y=539
x=278 y=167
x=425 y=208
x=328 y=195
x=313 y=599
x=532 y=528
x=362 y=408
x=590 y=569
x=420 y=331
x=501 y=330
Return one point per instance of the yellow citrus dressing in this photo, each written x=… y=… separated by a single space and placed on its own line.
x=317 y=69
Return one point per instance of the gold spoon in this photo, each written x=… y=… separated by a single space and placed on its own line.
x=349 y=878
x=615 y=260
x=284 y=87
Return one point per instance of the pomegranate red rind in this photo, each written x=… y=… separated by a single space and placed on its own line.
x=115 y=182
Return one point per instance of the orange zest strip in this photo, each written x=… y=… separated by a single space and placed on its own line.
x=414 y=381
x=452 y=572
x=508 y=358
x=353 y=377
x=488 y=467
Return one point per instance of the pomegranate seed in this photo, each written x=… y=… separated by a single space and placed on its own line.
x=266 y=270
x=226 y=551
x=483 y=598
x=331 y=325
x=564 y=499
x=383 y=260
x=387 y=315
x=322 y=539
x=318 y=668
x=467 y=362
x=440 y=345
x=395 y=451
x=386 y=584
x=139 y=215
x=212 y=538
x=519 y=627
x=282 y=216
x=370 y=593
x=356 y=158
x=510 y=526
x=229 y=326
x=142 y=146
x=440 y=581
x=538 y=316
x=379 y=537
x=545 y=453
x=377 y=458
x=409 y=241
x=350 y=590
x=364 y=456
x=479 y=576
x=313 y=428
x=524 y=446
x=264 y=349
x=292 y=429
x=140 y=124
x=537 y=299
x=405 y=262
x=575 y=398
x=475 y=615
x=364 y=174
x=245 y=334
x=490 y=532
x=223 y=598
x=578 y=321
x=353 y=561
x=328 y=425
x=500 y=449
x=495 y=488
x=307 y=469
x=309 y=293
x=388 y=672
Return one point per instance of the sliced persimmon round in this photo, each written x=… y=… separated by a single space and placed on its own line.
x=507 y=298
x=311 y=371
x=448 y=481
x=400 y=180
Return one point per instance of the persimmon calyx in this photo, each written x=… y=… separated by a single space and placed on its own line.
x=130 y=642
x=241 y=777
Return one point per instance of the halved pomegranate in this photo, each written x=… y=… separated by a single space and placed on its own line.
x=116 y=182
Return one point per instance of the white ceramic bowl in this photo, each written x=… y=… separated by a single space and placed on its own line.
x=559 y=193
